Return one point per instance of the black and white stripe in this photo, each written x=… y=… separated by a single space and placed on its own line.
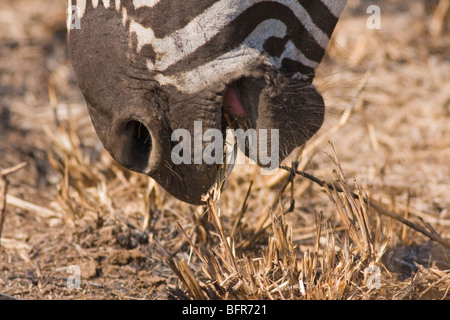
x=196 y=43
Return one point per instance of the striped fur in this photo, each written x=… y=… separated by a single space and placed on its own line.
x=193 y=50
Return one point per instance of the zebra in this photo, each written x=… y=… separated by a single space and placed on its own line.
x=150 y=67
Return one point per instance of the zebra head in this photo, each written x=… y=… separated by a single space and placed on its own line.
x=150 y=67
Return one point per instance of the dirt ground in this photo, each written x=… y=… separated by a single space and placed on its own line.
x=72 y=207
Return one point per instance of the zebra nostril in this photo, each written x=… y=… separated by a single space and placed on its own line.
x=140 y=140
x=132 y=145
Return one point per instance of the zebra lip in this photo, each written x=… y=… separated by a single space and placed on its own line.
x=232 y=103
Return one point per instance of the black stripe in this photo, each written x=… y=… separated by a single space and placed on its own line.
x=167 y=16
x=274 y=46
x=320 y=15
x=233 y=34
x=89 y=6
x=290 y=66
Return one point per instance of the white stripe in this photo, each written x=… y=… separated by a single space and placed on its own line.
x=231 y=65
x=145 y=3
x=124 y=16
x=204 y=27
x=176 y=46
x=292 y=52
x=144 y=35
x=303 y=16
x=199 y=31
x=81 y=5
x=335 y=6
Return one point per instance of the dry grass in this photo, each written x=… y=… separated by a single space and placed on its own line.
x=233 y=258
x=348 y=266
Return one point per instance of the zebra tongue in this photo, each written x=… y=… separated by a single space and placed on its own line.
x=232 y=104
